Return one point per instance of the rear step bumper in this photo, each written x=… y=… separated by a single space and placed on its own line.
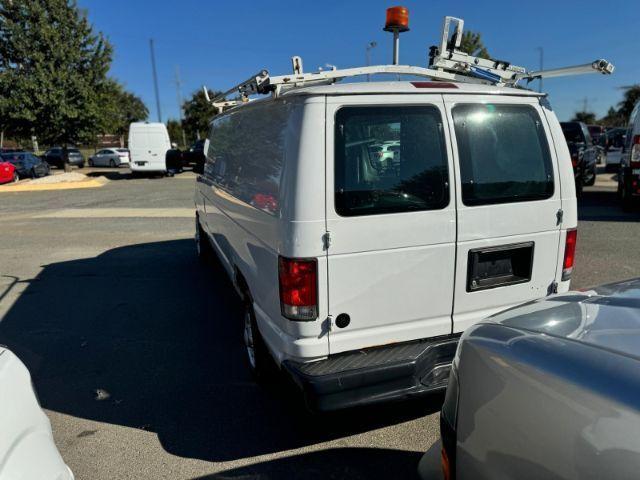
x=379 y=374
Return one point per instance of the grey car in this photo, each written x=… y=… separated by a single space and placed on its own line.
x=550 y=389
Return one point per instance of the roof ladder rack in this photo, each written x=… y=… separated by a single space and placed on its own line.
x=446 y=63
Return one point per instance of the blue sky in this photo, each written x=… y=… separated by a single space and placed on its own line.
x=219 y=43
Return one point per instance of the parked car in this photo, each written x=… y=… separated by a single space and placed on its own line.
x=548 y=390
x=27 y=164
x=110 y=157
x=599 y=139
x=8 y=173
x=584 y=154
x=195 y=156
x=629 y=174
x=614 y=147
x=54 y=158
x=596 y=131
x=357 y=281
x=148 y=146
x=27 y=448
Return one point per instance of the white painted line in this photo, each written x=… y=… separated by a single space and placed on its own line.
x=119 y=213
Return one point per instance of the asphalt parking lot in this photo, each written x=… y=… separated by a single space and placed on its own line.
x=135 y=347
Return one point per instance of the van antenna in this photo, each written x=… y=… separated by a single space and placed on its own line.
x=206 y=93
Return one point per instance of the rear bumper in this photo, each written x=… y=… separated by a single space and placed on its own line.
x=380 y=374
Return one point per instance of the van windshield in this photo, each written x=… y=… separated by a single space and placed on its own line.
x=389 y=159
x=504 y=155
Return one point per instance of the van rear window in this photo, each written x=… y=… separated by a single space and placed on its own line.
x=389 y=160
x=504 y=154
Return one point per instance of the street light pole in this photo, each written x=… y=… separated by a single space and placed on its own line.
x=370 y=46
x=541 y=50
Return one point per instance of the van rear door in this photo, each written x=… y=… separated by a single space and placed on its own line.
x=138 y=145
x=509 y=204
x=391 y=219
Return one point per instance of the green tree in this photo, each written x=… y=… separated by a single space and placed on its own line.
x=53 y=69
x=174 y=127
x=471 y=43
x=197 y=115
x=612 y=118
x=119 y=109
x=585 y=117
x=631 y=97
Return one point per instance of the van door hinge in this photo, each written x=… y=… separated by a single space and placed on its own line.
x=553 y=288
x=326 y=240
x=559 y=215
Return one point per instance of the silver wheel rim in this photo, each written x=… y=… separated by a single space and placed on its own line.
x=248 y=339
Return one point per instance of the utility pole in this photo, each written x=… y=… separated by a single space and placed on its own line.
x=541 y=50
x=370 y=46
x=585 y=104
x=155 y=79
x=179 y=93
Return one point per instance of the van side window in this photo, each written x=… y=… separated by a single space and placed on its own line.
x=246 y=153
x=389 y=159
x=504 y=155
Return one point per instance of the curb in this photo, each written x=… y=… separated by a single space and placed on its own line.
x=93 y=183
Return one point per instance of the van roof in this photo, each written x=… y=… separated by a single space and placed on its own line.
x=417 y=86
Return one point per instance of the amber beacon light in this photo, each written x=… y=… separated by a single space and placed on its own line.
x=397 y=22
x=397 y=19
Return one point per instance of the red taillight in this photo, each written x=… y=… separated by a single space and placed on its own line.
x=569 y=253
x=574 y=159
x=635 y=152
x=298 y=288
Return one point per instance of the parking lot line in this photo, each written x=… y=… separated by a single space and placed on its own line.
x=119 y=213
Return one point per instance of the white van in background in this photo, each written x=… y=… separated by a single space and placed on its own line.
x=148 y=146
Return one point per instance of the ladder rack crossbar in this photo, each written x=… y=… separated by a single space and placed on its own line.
x=446 y=63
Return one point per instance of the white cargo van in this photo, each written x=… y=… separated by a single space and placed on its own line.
x=358 y=274
x=148 y=146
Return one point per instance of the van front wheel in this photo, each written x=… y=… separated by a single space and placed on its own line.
x=260 y=363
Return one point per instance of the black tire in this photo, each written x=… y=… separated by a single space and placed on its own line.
x=90 y=163
x=259 y=359
x=625 y=199
x=15 y=177
x=592 y=180
x=112 y=164
x=81 y=165
x=203 y=247
x=579 y=187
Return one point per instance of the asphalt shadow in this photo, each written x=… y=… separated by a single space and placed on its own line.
x=334 y=463
x=148 y=337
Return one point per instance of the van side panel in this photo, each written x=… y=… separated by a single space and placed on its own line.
x=250 y=151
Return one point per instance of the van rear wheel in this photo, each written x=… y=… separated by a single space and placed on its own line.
x=260 y=362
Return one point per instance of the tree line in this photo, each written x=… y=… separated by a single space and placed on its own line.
x=54 y=81
x=615 y=117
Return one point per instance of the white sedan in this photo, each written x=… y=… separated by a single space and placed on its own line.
x=110 y=157
x=27 y=449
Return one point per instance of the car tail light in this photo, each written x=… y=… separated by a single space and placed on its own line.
x=635 y=152
x=298 y=280
x=575 y=159
x=569 y=253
